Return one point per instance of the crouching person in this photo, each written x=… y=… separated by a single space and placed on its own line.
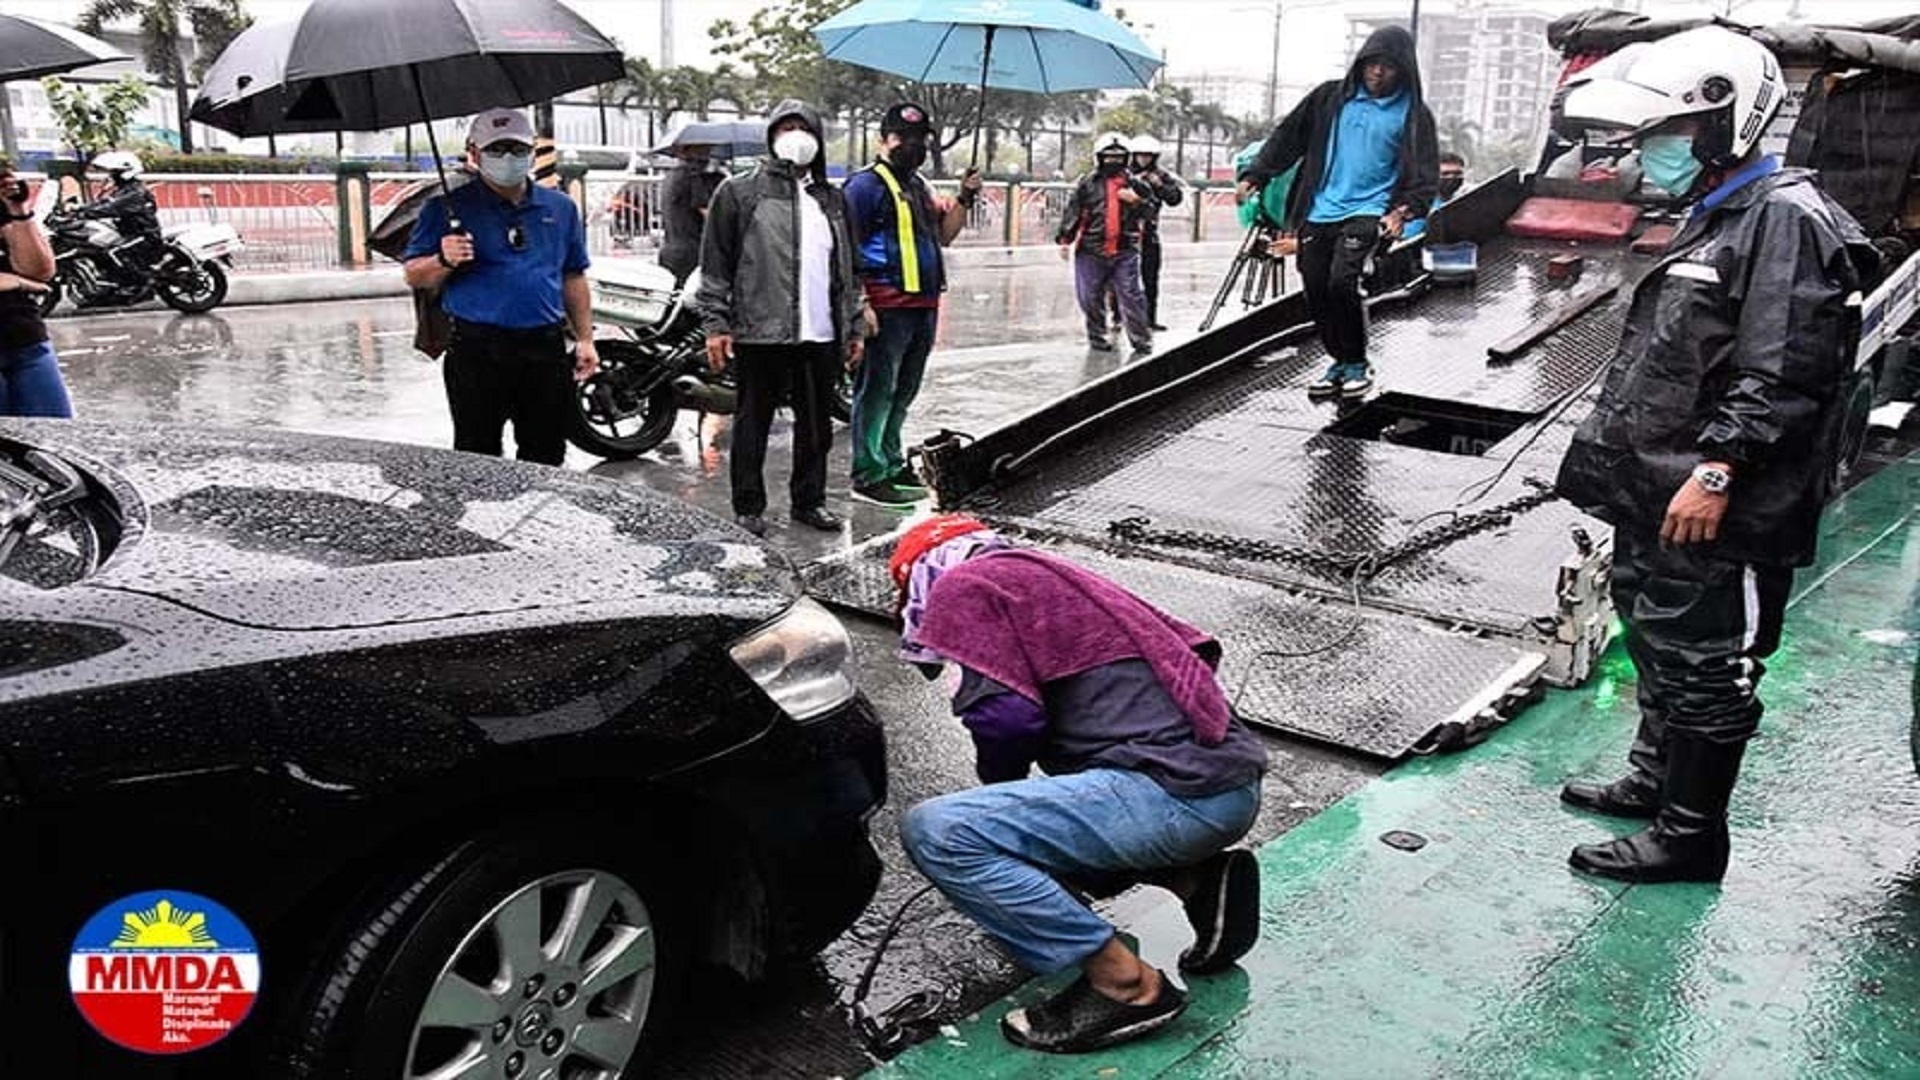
x=1147 y=775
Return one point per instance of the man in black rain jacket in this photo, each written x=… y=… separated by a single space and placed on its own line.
x=1714 y=444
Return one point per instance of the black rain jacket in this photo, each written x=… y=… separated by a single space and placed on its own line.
x=1304 y=134
x=1738 y=346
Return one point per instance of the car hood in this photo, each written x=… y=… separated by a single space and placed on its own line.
x=288 y=531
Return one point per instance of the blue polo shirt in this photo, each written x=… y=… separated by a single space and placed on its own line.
x=517 y=290
x=1363 y=157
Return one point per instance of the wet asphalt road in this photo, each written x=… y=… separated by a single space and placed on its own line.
x=1010 y=340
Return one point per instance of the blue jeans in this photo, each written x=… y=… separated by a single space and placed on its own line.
x=998 y=851
x=884 y=385
x=30 y=383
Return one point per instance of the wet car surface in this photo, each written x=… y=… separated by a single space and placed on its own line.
x=375 y=699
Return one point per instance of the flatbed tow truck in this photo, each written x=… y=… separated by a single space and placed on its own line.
x=1394 y=576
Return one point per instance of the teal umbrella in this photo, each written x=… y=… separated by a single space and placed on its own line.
x=1039 y=46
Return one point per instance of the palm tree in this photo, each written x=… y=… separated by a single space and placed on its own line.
x=1460 y=135
x=213 y=23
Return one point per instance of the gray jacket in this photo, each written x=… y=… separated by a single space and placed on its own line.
x=749 y=257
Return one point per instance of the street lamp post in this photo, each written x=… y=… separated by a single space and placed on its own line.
x=1273 y=70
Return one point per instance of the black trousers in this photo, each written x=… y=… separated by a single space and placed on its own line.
x=1150 y=275
x=802 y=375
x=497 y=376
x=1332 y=260
x=1698 y=630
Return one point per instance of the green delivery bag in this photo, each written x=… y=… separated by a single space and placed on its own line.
x=1271 y=205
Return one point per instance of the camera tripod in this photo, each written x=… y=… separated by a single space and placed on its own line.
x=1260 y=274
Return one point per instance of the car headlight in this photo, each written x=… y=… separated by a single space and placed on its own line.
x=801 y=660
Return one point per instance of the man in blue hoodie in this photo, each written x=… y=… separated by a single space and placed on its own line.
x=1368 y=163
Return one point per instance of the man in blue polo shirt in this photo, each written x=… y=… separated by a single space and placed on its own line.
x=509 y=258
x=1368 y=155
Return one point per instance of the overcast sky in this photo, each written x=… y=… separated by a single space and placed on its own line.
x=1226 y=38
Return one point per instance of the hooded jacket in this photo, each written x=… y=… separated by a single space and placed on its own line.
x=1304 y=136
x=1738 y=346
x=750 y=252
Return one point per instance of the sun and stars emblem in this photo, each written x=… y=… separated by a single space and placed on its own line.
x=164 y=926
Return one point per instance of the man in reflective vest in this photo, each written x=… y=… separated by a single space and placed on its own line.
x=899 y=225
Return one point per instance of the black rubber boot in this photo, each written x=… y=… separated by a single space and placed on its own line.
x=1688 y=839
x=1637 y=794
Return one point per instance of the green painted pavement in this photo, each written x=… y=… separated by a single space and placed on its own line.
x=1482 y=955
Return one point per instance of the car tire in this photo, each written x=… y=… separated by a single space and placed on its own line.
x=447 y=939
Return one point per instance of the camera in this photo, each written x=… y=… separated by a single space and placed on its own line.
x=16 y=190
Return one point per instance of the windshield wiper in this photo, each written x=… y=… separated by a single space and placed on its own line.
x=51 y=484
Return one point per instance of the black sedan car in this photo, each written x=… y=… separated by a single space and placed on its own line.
x=485 y=756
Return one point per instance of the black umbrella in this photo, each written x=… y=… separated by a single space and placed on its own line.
x=370 y=65
x=729 y=138
x=396 y=227
x=30 y=48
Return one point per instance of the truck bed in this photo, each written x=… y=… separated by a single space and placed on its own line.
x=1389 y=576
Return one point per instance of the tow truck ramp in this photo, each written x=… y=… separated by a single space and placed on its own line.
x=1392 y=576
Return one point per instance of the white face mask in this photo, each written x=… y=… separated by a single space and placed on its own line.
x=505 y=170
x=796 y=146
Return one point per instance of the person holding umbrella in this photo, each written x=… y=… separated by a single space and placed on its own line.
x=684 y=197
x=30 y=382
x=900 y=227
x=780 y=302
x=509 y=258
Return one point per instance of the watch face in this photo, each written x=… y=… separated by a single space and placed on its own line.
x=1714 y=480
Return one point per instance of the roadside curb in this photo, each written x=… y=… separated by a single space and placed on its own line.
x=315 y=286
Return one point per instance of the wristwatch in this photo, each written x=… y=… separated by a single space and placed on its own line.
x=1712 y=479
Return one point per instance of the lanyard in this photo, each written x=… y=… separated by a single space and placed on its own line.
x=903 y=222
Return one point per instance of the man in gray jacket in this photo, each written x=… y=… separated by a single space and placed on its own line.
x=780 y=303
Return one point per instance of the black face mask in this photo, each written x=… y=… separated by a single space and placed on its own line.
x=908 y=156
x=1450 y=184
x=1111 y=165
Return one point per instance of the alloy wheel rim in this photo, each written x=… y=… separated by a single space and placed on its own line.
x=555 y=981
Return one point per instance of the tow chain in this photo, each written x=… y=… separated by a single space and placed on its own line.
x=1349 y=565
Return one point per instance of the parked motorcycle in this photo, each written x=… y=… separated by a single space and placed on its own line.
x=189 y=274
x=653 y=363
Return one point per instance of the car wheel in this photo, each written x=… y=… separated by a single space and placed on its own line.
x=523 y=956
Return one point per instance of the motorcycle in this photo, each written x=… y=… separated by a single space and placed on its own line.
x=653 y=363
x=188 y=275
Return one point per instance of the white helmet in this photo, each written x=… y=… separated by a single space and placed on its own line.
x=1144 y=144
x=1730 y=80
x=1111 y=142
x=119 y=164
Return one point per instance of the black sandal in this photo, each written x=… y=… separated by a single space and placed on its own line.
x=1224 y=911
x=1080 y=1018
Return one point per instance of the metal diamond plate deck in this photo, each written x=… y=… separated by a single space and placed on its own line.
x=1318 y=669
x=1243 y=454
x=1238 y=450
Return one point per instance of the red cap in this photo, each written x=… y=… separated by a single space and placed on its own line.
x=924 y=537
